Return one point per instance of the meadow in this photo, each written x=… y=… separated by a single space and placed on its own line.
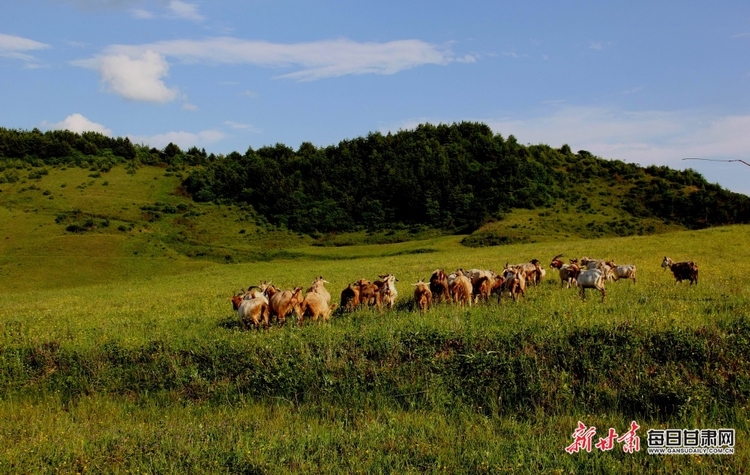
x=120 y=353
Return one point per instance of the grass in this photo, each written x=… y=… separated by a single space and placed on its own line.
x=119 y=353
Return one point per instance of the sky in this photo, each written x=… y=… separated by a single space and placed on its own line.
x=644 y=81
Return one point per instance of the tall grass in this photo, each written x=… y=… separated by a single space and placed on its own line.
x=154 y=374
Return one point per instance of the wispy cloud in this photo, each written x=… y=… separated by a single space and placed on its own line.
x=598 y=45
x=245 y=127
x=184 y=140
x=142 y=14
x=317 y=60
x=17 y=47
x=184 y=10
x=137 y=71
x=145 y=9
x=77 y=123
x=633 y=90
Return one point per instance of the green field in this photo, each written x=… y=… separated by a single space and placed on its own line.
x=120 y=353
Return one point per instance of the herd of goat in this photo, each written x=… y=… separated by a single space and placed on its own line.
x=258 y=304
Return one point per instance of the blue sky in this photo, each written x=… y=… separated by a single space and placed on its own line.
x=649 y=82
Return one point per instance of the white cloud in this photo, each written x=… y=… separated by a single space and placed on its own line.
x=316 y=60
x=174 y=9
x=633 y=90
x=184 y=140
x=79 y=124
x=137 y=77
x=137 y=71
x=184 y=10
x=245 y=127
x=16 y=47
x=142 y=14
x=189 y=107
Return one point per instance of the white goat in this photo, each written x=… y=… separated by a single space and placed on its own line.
x=625 y=272
x=591 y=279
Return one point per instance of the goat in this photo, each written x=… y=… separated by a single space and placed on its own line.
x=556 y=262
x=369 y=294
x=515 y=281
x=481 y=282
x=422 y=296
x=237 y=300
x=481 y=289
x=350 y=298
x=315 y=306
x=462 y=289
x=607 y=267
x=318 y=286
x=686 y=270
x=387 y=288
x=254 y=309
x=569 y=274
x=439 y=286
x=624 y=272
x=283 y=303
x=497 y=285
x=591 y=279
x=532 y=271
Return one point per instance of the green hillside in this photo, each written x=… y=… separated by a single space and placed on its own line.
x=65 y=196
x=120 y=352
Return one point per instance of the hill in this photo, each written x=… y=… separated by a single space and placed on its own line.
x=119 y=351
x=65 y=196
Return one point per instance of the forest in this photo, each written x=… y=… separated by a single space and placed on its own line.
x=452 y=177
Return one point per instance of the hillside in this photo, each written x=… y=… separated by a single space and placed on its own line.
x=119 y=350
x=65 y=196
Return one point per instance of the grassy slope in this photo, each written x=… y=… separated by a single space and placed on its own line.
x=84 y=292
x=36 y=252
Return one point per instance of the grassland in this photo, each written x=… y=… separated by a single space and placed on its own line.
x=119 y=352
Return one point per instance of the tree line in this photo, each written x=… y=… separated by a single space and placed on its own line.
x=453 y=177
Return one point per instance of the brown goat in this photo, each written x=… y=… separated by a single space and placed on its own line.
x=569 y=274
x=515 y=281
x=369 y=294
x=422 y=296
x=482 y=288
x=461 y=289
x=556 y=262
x=439 y=286
x=686 y=270
x=283 y=303
x=350 y=298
